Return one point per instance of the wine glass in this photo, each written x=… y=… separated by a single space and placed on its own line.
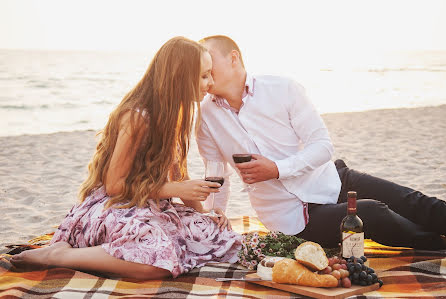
x=214 y=173
x=243 y=153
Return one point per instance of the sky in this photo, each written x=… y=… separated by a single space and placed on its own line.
x=297 y=25
x=271 y=32
x=284 y=37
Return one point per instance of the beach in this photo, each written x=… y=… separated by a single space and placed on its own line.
x=40 y=174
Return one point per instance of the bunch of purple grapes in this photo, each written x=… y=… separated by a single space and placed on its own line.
x=360 y=274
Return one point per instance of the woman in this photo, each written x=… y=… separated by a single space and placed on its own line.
x=126 y=224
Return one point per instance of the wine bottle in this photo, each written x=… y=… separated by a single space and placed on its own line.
x=352 y=234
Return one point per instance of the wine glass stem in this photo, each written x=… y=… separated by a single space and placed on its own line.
x=248 y=188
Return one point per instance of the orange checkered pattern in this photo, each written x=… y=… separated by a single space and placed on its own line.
x=406 y=273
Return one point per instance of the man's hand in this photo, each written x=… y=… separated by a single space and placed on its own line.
x=258 y=170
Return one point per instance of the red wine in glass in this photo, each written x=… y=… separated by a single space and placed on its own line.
x=214 y=172
x=215 y=179
x=241 y=158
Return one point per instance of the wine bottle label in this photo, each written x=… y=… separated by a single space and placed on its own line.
x=352 y=244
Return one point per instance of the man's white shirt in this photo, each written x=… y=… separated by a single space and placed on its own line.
x=280 y=123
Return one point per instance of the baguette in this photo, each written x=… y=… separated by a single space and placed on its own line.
x=292 y=272
x=311 y=255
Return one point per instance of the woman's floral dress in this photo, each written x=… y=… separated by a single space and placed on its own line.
x=169 y=236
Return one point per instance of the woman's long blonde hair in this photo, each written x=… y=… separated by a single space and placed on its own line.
x=167 y=93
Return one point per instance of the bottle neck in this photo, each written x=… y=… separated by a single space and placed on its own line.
x=351 y=206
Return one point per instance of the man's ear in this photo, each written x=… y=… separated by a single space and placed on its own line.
x=235 y=57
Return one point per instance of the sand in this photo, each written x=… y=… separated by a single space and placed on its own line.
x=40 y=174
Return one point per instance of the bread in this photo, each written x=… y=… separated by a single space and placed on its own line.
x=291 y=271
x=311 y=255
x=265 y=267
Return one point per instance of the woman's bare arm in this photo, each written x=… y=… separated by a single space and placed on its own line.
x=124 y=153
x=175 y=176
x=122 y=159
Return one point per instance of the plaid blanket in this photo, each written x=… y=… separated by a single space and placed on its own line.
x=406 y=273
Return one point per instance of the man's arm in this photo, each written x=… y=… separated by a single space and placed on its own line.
x=311 y=130
x=209 y=151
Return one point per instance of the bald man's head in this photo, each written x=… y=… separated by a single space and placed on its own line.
x=224 y=44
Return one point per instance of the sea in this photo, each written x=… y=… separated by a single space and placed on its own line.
x=46 y=91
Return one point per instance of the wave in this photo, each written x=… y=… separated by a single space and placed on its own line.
x=103 y=102
x=93 y=79
x=61 y=105
x=41 y=85
x=65 y=105
x=17 y=107
x=82 y=121
x=30 y=79
x=23 y=107
x=439 y=68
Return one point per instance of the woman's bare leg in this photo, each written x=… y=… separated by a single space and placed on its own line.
x=61 y=254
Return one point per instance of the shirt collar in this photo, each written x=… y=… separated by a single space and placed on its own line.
x=249 y=84
x=249 y=87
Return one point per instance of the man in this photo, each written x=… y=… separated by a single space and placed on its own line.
x=298 y=189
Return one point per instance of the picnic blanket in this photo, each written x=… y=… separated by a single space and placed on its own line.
x=406 y=273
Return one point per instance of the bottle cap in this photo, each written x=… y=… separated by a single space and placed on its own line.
x=351 y=194
x=351 y=206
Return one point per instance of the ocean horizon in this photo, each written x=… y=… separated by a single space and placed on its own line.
x=47 y=91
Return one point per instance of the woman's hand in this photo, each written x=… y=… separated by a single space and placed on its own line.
x=197 y=190
x=222 y=221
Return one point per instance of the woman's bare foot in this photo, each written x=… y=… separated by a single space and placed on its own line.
x=41 y=257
